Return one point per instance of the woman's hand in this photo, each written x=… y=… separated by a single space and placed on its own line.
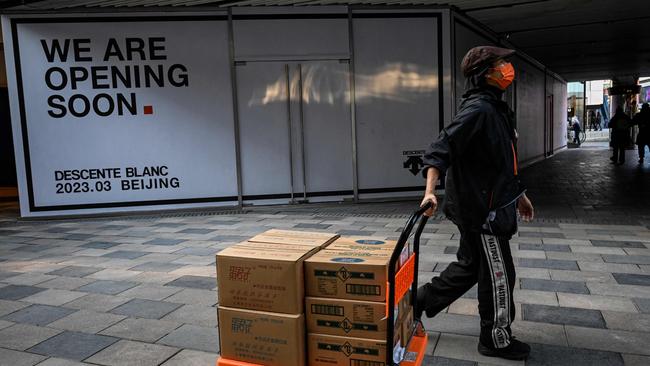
x=430 y=197
x=525 y=208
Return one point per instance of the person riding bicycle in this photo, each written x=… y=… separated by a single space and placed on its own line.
x=575 y=126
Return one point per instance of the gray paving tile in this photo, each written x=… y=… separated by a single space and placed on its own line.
x=75 y=271
x=159 y=241
x=150 y=292
x=629 y=279
x=125 y=254
x=533 y=332
x=5 y=324
x=73 y=345
x=545 y=247
x=193 y=337
x=194 y=314
x=86 y=321
x=451 y=250
x=61 y=362
x=169 y=224
x=617 y=244
x=198 y=251
x=550 y=355
x=230 y=238
x=444 y=361
x=534 y=234
x=558 y=315
x=196 y=282
x=609 y=340
x=16 y=358
x=38 y=314
x=97 y=302
x=633 y=322
x=78 y=237
x=464 y=348
x=452 y=323
x=23 y=336
x=17 y=292
x=194 y=297
x=597 y=302
x=4 y=275
x=629 y=259
x=8 y=307
x=53 y=297
x=149 y=309
x=636 y=360
x=188 y=357
x=156 y=267
x=130 y=353
x=99 y=245
x=66 y=283
x=643 y=305
x=107 y=287
x=303 y=225
x=548 y=263
x=196 y=231
x=145 y=330
x=554 y=286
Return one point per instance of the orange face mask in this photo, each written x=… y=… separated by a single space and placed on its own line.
x=502 y=75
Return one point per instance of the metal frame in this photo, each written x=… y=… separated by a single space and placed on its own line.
x=286 y=71
x=302 y=134
x=353 y=110
x=235 y=107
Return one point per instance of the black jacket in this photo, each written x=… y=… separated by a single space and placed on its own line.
x=478 y=153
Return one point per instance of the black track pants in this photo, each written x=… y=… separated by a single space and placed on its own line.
x=487 y=260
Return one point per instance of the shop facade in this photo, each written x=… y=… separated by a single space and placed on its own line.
x=115 y=112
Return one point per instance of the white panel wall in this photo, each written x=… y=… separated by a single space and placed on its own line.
x=559 y=114
x=396 y=93
x=282 y=39
x=530 y=110
x=466 y=38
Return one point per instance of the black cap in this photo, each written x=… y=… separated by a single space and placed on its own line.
x=481 y=56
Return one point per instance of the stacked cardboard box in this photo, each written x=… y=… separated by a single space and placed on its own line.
x=346 y=288
x=261 y=297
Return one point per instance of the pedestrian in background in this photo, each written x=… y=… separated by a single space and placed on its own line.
x=599 y=121
x=642 y=120
x=592 y=121
x=620 y=125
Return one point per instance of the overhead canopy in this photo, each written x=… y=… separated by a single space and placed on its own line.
x=578 y=39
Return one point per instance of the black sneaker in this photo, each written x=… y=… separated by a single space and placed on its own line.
x=515 y=351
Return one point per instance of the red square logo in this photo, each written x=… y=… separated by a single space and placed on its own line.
x=148 y=109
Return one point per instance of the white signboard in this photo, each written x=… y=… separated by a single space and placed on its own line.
x=117 y=112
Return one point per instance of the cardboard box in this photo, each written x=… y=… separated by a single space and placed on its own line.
x=328 y=350
x=274 y=246
x=361 y=243
x=354 y=275
x=346 y=318
x=407 y=328
x=261 y=337
x=265 y=280
x=309 y=238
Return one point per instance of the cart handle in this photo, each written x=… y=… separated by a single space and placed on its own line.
x=401 y=242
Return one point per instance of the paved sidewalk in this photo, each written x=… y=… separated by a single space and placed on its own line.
x=141 y=290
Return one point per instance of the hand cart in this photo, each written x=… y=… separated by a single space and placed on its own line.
x=399 y=282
